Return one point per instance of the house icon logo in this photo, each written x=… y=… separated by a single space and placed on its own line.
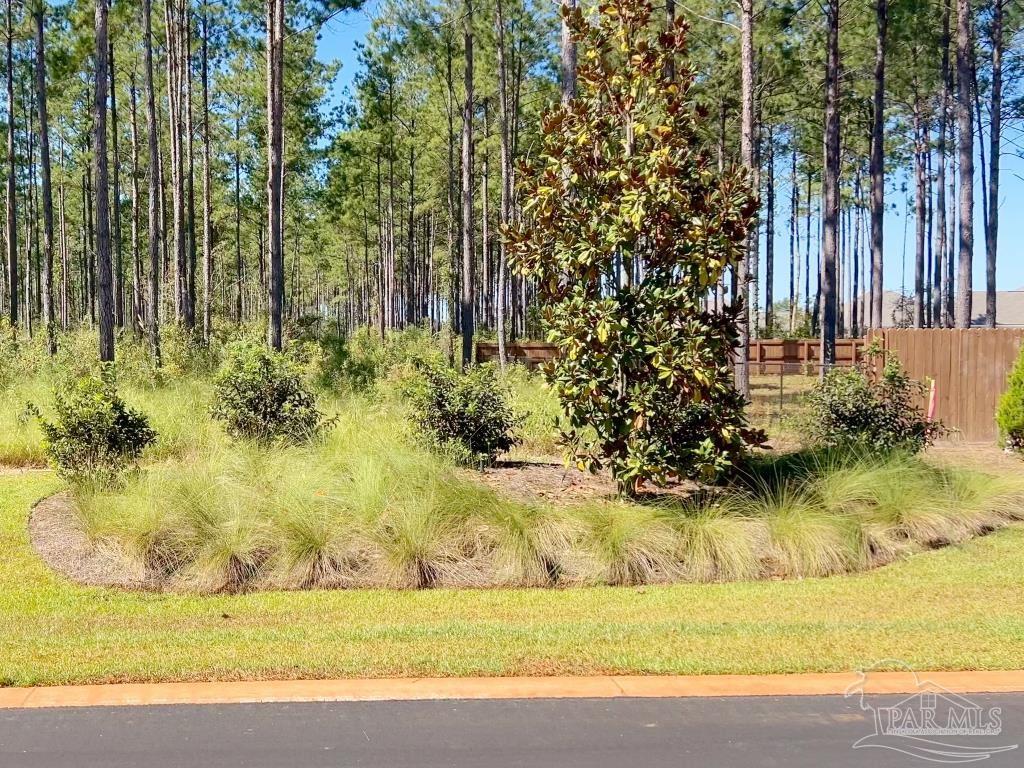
x=933 y=723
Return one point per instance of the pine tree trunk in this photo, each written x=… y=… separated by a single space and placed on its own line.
x=49 y=321
x=12 y=212
x=467 y=192
x=942 y=310
x=175 y=89
x=485 y=233
x=877 y=164
x=411 y=236
x=965 y=125
x=568 y=58
x=154 y=185
x=830 y=192
x=452 y=225
x=28 y=109
x=190 y=192
x=118 y=266
x=104 y=271
x=207 y=204
x=747 y=158
x=275 y=175
x=794 y=245
x=769 y=245
x=807 y=253
x=919 y=215
x=239 y=265
x=995 y=147
x=65 y=261
x=856 y=319
x=506 y=180
x=138 y=311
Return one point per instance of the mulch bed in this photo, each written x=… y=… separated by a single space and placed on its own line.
x=58 y=538
x=553 y=483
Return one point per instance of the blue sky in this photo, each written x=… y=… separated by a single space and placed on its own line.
x=338 y=43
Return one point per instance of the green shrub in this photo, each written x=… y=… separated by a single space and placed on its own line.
x=468 y=414
x=94 y=437
x=362 y=359
x=862 y=407
x=627 y=226
x=1010 y=415
x=260 y=395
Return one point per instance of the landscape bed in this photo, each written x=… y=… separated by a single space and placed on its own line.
x=358 y=511
x=961 y=607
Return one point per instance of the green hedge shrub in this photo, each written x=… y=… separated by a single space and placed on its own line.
x=1010 y=415
x=95 y=437
x=851 y=407
x=466 y=414
x=261 y=396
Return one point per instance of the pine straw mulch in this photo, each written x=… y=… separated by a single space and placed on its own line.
x=549 y=482
x=57 y=536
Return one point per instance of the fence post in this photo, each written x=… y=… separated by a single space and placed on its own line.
x=781 y=386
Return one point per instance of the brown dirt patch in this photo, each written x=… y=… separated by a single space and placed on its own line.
x=982 y=457
x=57 y=536
x=7 y=470
x=552 y=483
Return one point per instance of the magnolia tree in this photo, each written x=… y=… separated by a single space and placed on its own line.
x=627 y=227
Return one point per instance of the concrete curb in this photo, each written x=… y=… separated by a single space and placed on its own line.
x=418 y=689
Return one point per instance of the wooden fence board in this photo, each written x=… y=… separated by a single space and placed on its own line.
x=765 y=355
x=969 y=367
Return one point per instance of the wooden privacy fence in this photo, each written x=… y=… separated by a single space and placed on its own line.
x=969 y=367
x=766 y=356
x=800 y=355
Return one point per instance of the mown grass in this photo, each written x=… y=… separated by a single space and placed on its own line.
x=961 y=607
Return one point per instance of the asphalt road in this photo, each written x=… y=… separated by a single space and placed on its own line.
x=636 y=733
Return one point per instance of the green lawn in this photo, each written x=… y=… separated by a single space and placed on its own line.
x=958 y=608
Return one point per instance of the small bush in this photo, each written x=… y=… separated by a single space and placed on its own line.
x=1010 y=415
x=467 y=414
x=95 y=437
x=852 y=407
x=260 y=395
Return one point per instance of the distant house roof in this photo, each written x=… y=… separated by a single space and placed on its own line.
x=1009 y=308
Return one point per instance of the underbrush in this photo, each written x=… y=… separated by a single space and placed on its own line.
x=367 y=507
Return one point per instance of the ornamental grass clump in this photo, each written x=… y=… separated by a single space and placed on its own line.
x=627 y=226
x=364 y=509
